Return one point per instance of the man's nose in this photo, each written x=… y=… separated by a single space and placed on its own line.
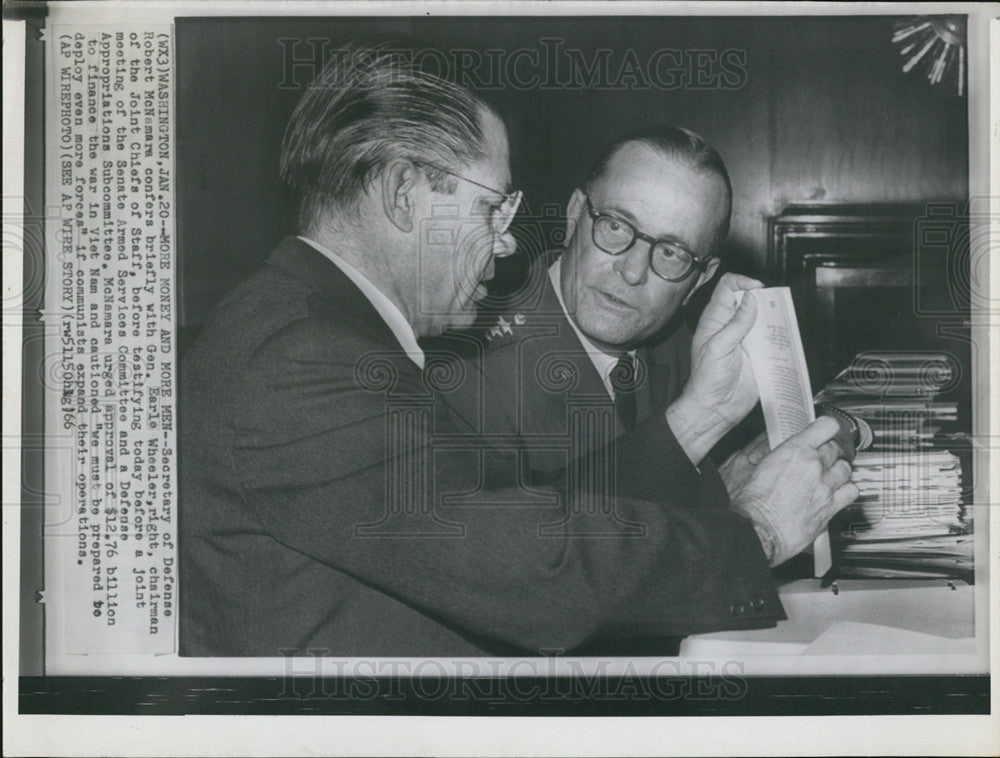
x=633 y=264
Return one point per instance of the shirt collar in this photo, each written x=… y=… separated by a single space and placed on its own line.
x=603 y=362
x=387 y=309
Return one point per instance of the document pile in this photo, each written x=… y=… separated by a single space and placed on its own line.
x=896 y=394
x=911 y=519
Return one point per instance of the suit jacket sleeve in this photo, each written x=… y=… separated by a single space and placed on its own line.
x=651 y=459
x=651 y=462
x=311 y=452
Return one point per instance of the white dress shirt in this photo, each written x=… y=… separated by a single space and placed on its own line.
x=387 y=309
x=603 y=362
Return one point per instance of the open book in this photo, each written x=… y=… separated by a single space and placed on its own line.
x=779 y=367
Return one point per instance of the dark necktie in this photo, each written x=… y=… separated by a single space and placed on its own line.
x=623 y=380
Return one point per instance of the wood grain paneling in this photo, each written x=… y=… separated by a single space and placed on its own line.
x=824 y=113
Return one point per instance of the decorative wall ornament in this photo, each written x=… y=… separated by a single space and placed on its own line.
x=934 y=45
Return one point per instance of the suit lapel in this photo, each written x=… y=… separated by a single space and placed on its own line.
x=546 y=412
x=666 y=365
x=567 y=342
x=669 y=366
x=643 y=395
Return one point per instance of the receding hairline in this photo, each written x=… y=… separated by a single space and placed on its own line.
x=679 y=158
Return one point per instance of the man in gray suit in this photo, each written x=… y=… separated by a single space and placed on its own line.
x=330 y=498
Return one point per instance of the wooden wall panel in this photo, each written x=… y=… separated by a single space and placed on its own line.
x=823 y=113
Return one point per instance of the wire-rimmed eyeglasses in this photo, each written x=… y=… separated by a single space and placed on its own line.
x=668 y=259
x=502 y=214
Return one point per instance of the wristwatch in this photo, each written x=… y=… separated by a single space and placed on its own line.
x=855 y=434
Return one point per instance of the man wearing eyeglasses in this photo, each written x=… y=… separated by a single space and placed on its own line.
x=642 y=235
x=330 y=501
x=404 y=203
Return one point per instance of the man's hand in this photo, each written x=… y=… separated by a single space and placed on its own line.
x=721 y=389
x=740 y=466
x=504 y=244
x=796 y=489
x=721 y=381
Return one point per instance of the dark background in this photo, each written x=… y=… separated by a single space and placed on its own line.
x=823 y=113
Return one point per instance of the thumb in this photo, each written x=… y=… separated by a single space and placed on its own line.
x=739 y=325
x=504 y=244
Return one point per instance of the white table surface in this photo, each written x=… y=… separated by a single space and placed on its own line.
x=875 y=617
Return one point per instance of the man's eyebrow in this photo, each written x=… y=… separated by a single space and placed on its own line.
x=680 y=243
x=624 y=213
x=619 y=211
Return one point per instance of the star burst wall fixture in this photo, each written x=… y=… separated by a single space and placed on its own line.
x=934 y=45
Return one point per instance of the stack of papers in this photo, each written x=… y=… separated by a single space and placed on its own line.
x=895 y=393
x=911 y=518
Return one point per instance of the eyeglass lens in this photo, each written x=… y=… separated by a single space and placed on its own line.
x=615 y=236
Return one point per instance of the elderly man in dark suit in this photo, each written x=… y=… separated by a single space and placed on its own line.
x=332 y=501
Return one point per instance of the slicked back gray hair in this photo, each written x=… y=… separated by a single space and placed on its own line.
x=367 y=107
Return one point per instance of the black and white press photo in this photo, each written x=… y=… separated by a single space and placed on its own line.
x=375 y=360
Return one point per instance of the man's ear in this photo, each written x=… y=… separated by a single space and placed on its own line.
x=573 y=210
x=398 y=184
x=705 y=278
